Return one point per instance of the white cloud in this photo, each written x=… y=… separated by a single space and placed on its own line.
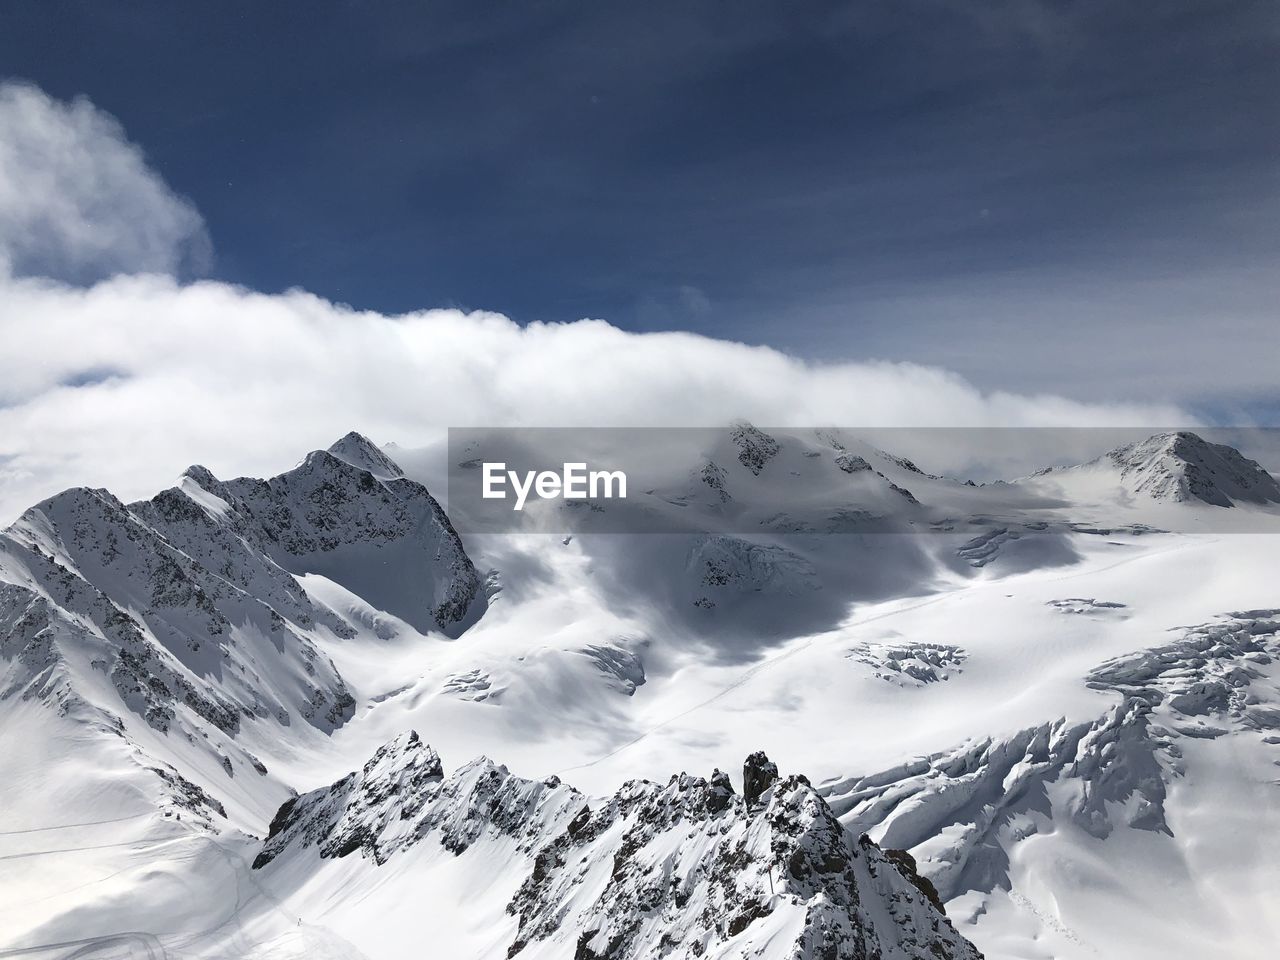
x=77 y=199
x=125 y=382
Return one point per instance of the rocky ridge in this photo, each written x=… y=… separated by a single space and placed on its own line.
x=687 y=868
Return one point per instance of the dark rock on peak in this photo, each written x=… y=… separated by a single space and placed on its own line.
x=906 y=865
x=850 y=463
x=721 y=795
x=905 y=464
x=715 y=478
x=759 y=773
x=202 y=476
x=755 y=447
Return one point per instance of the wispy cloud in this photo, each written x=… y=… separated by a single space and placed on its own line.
x=77 y=199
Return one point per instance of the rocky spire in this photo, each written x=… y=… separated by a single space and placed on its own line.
x=759 y=773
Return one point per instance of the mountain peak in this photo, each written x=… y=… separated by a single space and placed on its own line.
x=1181 y=466
x=1180 y=442
x=201 y=475
x=359 y=451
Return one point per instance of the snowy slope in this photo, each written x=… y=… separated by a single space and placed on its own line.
x=1064 y=715
x=973 y=815
x=172 y=633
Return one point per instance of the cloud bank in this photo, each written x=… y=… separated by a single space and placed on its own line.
x=125 y=381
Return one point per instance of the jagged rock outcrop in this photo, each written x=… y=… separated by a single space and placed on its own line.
x=354 y=813
x=685 y=868
x=714 y=477
x=759 y=773
x=903 y=492
x=906 y=865
x=850 y=463
x=755 y=447
x=401 y=797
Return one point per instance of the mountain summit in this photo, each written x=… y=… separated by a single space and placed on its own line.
x=1182 y=466
x=359 y=451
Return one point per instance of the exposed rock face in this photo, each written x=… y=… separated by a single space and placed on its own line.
x=900 y=491
x=385 y=540
x=850 y=463
x=906 y=865
x=1182 y=466
x=755 y=447
x=907 y=465
x=677 y=869
x=759 y=773
x=735 y=881
x=714 y=477
x=959 y=811
x=354 y=814
x=401 y=797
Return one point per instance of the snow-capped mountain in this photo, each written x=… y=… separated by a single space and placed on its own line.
x=1042 y=707
x=1180 y=467
x=685 y=868
x=183 y=616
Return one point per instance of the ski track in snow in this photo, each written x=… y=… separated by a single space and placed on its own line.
x=73 y=826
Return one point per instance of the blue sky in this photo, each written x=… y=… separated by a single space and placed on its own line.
x=1068 y=197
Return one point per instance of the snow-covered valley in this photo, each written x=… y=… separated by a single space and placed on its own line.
x=250 y=718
